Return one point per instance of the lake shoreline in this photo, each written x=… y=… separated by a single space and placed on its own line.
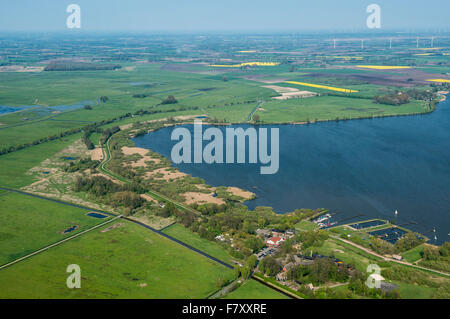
x=263 y=195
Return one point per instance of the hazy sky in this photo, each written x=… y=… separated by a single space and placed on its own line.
x=222 y=15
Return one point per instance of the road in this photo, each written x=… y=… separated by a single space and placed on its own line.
x=254 y=110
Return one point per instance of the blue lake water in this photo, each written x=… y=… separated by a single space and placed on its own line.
x=96 y=215
x=371 y=167
x=70 y=229
x=4 y=109
x=10 y=109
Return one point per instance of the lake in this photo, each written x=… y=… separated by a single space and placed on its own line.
x=360 y=167
x=4 y=109
x=10 y=109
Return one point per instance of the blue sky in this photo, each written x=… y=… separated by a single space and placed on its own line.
x=223 y=15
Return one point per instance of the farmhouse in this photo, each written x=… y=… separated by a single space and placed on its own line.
x=274 y=241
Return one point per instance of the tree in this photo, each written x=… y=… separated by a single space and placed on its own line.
x=445 y=249
x=252 y=261
x=128 y=199
x=408 y=241
x=171 y=208
x=430 y=253
x=254 y=244
x=103 y=99
x=245 y=272
x=237 y=271
x=270 y=266
x=169 y=100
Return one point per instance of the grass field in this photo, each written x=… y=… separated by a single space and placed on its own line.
x=414 y=254
x=29 y=224
x=253 y=289
x=305 y=225
x=125 y=262
x=346 y=253
x=410 y=291
x=14 y=166
x=185 y=235
x=323 y=108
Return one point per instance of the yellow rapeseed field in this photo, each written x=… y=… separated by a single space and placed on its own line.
x=424 y=49
x=245 y=64
x=383 y=67
x=439 y=80
x=322 y=87
x=345 y=57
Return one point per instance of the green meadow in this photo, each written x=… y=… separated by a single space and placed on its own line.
x=126 y=262
x=305 y=225
x=30 y=223
x=325 y=108
x=412 y=291
x=414 y=254
x=14 y=166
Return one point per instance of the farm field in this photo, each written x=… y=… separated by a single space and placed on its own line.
x=329 y=108
x=142 y=264
x=14 y=166
x=30 y=223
